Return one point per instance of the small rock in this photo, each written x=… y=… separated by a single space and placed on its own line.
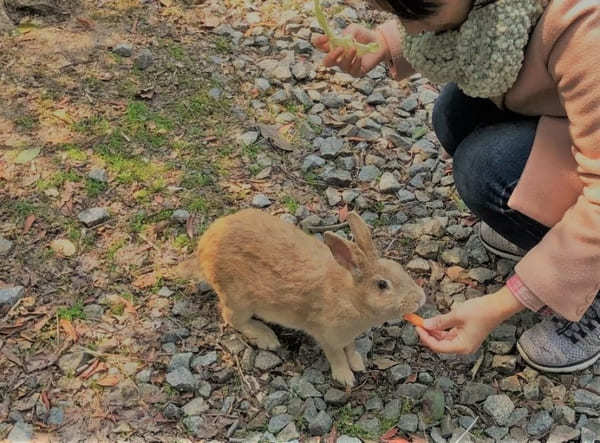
x=123 y=49
x=375 y=99
x=180 y=360
x=409 y=104
x=333 y=196
x=198 y=426
x=454 y=256
x=504 y=332
x=446 y=384
x=499 y=407
x=204 y=389
x=418 y=265
x=282 y=73
x=266 y=361
x=9 y=296
x=312 y=162
x=510 y=384
x=399 y=373
x=93 y=312
x=482 y=275
x=69 y=363
x=261 y=201
x=505 y=364
x=336 y=177
x=206 y=359
x=195 y=407
x=369 y=425
x=336 y=397
x=303 y=388
x=276 y=398
x=263 y=85
x=409 y=335
x=531 y=391
x=517 y=416
x=347 y=439
x=20 y=433
x=144 y=375
x=248 y=138
x=500 y=347
x=300 y=71
x=496 y=432
x=93 y=216
x=562 y=434
x=389 y=183
x=321 y=424
x=408 y=422
x=585 y=398
x=413 y=391
x=392 y=409
x=540 y=423
x=425 y=378
x=365 y=85
x=98 y=174
x=330 y=147
x=474 y=393
x=288 y=433
x=405 y=196
x=182 y=380
x=223 y=376
x=433 y=405
x=564 y=415
x=332 y=100
x=144 y=59
x=278 y=422
x=56 y=416
x=172 y=412
x=289 y=218
x=368 y=173
x=303 y=47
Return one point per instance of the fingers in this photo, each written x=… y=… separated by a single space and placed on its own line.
x=347 y=60
x=332 y=58
x=321 y=42
x=452 y=343
x=441 y=322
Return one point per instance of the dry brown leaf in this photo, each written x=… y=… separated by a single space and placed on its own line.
x=69 y=328
x=45 y=399
x=63 y=247
x=146 y=280
x=343 y=213
x=108 y=381
x=384 y=363
x=28 y=223
x=128 y=305
x=98 y=366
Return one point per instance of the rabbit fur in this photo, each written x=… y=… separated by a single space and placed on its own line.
x=263 y=268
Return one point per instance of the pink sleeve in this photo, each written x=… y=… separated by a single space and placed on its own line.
x=523 y=294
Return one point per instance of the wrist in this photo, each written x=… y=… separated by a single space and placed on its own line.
x=506 y=304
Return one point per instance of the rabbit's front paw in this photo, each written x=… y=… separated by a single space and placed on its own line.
x=267 y=341
x=344 y=376
x=355 y=361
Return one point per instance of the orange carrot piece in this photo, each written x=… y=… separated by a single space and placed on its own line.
x=414 y=320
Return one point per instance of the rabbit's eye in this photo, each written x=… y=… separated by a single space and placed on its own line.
x=382 y=284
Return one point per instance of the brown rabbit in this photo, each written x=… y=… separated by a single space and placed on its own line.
x=262 y=267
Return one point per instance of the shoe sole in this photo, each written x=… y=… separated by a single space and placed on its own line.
x=558 y=369
x=498 y=252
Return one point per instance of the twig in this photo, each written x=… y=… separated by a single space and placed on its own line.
x=143 y=237
x=467 y=430
x=242 y=376
x=315 y=229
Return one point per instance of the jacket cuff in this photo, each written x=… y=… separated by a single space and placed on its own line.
x=523 y=294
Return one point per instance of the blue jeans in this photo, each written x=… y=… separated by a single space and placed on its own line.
x=490 y=148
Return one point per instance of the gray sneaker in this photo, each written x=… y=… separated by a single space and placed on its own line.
x=559 y=345
x=498 y=245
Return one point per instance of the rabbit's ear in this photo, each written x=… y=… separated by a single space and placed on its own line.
x=362 y=234
x=345 y=252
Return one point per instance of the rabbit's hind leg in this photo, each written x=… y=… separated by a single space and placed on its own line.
x=255 y=331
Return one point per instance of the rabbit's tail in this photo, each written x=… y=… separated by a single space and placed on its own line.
x=189 y=269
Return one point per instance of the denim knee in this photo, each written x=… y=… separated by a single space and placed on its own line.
x=441 y=117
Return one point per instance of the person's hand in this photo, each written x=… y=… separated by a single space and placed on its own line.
x=463 y=329
x=347 y=60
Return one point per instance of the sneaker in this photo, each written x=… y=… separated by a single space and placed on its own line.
x=498 y=245
x=561 y=346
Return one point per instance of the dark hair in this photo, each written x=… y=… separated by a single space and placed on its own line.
x=409 y=9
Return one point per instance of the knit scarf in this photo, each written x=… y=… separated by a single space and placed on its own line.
x=484 y=56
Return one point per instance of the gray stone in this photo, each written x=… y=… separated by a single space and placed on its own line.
x=303 y=47
x=262 y=84
x=428 y=248
x=172 y=412
x=180 y=360
x=409 y=104
x=21 y=433
x=531 y=391
x=266 y=360
x=313 y=376
x=584 y=398
x=500 y=347
x=330 y=147
x=392 y=409
x=409 y=335
x=369 y=217
x=413 y=391
x=282 y=72
x=454 y=256
x=375 y=99
x=93 y=312
x=182 y=380
x=365 y=86
x=369 y=425
x=562 y=434
x=540 y=423
x=399 y=373
x=144 y=375
x=510 y=384
x=175 y=335
x=5 y=246
x=261 y=201
x=347 y=439
x=505 y=332
x=337 y=177
x=123 y=49
x=505 y=364
x=476 y=250
x=425 y=377
x=336 y=397
x=276 y=398
x=496 y=432
x=368 y=173
x=180 y=216
x=474 y=393
x=165 y=292
x=482 y=275
x=517 y=416
x=289 y=218
x=204 y=389
x=278 y=422
x=312 y=162
x=69 y=363
x=333 y=196
x=197 y=406
x=301 y=71
x=405 y=196
x=248 y=138
x=144 y=59
x=346 y=163
x=418 y=265
x=9 y=296
x=56 y=416
x=564 y=415
x=499 y=407
x=459 y=232
x=408 y=422
x=93 y=216
x=288 y=433
x=433 y=405
x=302 y=97
x=446 y=384
x=389 y=183
x=332 y=100
x=321 y=424
x=98 y=174
x=197 y=425
x=303 y=388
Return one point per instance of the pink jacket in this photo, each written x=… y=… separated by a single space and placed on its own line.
x=560 y=186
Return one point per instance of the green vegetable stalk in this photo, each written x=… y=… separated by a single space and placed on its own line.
x=345 y=42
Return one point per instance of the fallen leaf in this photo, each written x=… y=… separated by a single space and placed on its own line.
x=108 y=381
x=389 y=433
x=343 y=213
x=384 y=363
x=145 y=280
x=86 y=22
x=271 y=133
x=63 y=247
x=190 y=226
x=27 y=155
x=94 y=368
x=68 y=328
x=45 y=399
x=28 y=222
x=128 y=305
x=411 y=378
